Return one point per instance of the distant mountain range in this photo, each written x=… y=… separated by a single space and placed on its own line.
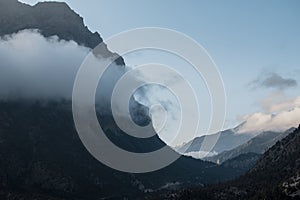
x=275 y=176
x=259 y=144
x=228 y=140
x=232 y=144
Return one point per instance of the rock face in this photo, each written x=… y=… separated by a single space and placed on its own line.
x=50 y=18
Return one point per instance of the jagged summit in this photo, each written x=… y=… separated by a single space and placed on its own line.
x=50 y=18
x=55 y=4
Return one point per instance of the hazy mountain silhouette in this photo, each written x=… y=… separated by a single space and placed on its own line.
x=228 y=139
x=258 y=145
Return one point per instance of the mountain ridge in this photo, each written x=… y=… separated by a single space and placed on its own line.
x=227 y=140
x=51 y=18
x=258 y=144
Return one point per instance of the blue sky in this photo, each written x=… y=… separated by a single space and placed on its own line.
x=246 y=39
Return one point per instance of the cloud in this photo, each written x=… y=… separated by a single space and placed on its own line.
x=278 y=101
x=35 y=67
x=275 y=81
x=278 y=116
x=279 y=112
x=285 y=104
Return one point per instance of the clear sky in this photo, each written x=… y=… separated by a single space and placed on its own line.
x=248 y=40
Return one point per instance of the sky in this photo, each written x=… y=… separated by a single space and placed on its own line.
x=255 y=44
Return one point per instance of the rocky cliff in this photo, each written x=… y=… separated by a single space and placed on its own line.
x=50 y=18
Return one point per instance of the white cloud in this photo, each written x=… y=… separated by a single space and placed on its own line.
x=278 y=116
x=284 y=105
x=35 y=67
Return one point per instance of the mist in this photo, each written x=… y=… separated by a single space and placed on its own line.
x=33 y=67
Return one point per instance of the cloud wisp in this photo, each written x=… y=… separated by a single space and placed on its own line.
x=274 y=81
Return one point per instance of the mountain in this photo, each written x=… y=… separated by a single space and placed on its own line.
x=228 y=139
x=41 y=155
x=258 y=145
x=51 y=19
x=242 y=162
x=275 y=176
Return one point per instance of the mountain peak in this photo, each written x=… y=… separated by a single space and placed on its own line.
x=50 y=18
x=53 y=3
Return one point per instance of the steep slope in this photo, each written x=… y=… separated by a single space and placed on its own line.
x=50 y=18
x=41 y=153
x=275 y=176
x=258 y=145
x=242 y=162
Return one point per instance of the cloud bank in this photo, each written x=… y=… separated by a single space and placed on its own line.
x=39 y=68
x=278 y=116
x=33 y=67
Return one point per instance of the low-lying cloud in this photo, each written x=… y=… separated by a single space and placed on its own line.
x=35 y=67
x=39 y=68
x=277 y=116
